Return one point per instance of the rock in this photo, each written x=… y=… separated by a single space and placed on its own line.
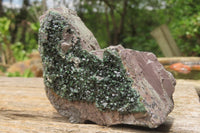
x=34 y=55
x=106 y=86
x=1 y=73
x=34 y=64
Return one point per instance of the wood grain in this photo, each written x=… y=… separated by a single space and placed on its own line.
x=24 y=108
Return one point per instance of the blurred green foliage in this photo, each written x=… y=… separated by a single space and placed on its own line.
x=185 y=25
x=4 y=31
x=140 y=18
x=26 y=74
x=2 y=68
x=126 y=22
x=18 y=51
x=136 y=20
x=4 y=26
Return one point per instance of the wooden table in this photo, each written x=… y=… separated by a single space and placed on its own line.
x=25 y=108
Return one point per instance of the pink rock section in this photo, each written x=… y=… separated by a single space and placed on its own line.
x=154 y=84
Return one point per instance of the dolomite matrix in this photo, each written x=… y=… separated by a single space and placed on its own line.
x=106 y=86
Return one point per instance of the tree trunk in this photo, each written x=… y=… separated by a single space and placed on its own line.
x=1 y=9
x=14 y=33
x=115 y=27
x=113 y=32
x=23 y=34
x=8 y=54
x=121 y=26
x=23 y=15
x=108 y=25
x=44 y=5
x=118 y=28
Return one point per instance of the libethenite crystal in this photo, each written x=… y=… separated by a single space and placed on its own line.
x=82 y=81
x=78 y=75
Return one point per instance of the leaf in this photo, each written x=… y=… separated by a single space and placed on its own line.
x=35 y=26
x=7 y=25
x=28 y=73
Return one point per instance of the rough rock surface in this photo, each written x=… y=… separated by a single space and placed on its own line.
x=106 y=86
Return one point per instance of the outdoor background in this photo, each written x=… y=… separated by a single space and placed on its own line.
x=125 y=22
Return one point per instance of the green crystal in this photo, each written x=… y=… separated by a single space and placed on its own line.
x=78 y=75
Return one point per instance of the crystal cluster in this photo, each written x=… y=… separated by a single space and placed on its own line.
x=78 y=75
x=84 y=82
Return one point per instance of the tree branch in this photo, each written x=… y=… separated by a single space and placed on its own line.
x=123 y=14
x=107 y=24
x=111 y=6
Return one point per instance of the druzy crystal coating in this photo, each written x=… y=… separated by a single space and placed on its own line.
x=78 y=75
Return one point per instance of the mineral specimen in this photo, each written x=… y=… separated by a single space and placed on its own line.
x=106 y=86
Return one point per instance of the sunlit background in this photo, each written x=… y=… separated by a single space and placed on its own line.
x=125 y=22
